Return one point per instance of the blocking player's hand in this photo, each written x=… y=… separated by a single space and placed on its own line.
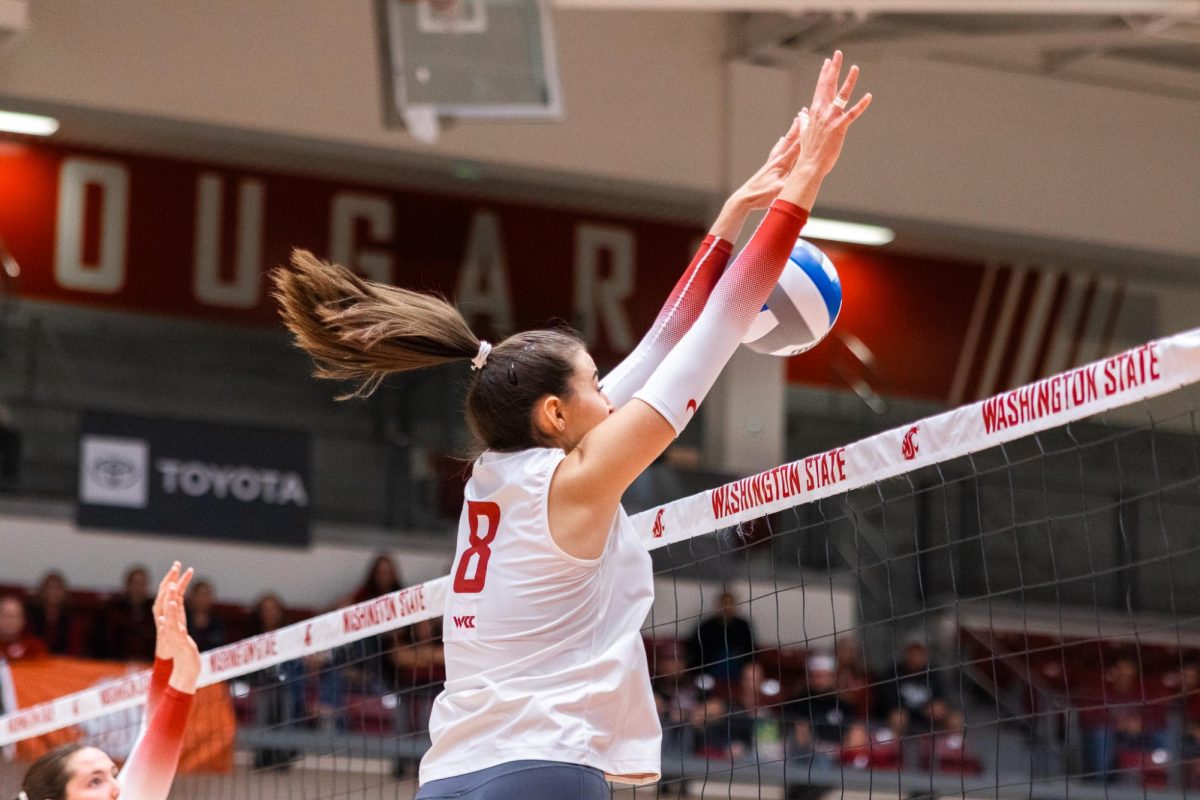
x=179 y=646
x=764 y=185
x=172 y=586
x=830 y=116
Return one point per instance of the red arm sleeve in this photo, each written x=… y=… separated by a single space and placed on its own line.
x=150 y=770
x=158 y=684
x=684 y=377
x=683 y=306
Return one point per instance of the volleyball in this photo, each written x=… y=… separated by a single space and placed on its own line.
x=802 y=307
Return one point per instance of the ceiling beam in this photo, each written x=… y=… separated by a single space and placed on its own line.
x=1179 y=8
x=1013 y=42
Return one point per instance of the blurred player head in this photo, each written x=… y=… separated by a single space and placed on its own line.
x=72 y=772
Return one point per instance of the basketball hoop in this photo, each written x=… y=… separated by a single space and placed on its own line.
x=466 y=59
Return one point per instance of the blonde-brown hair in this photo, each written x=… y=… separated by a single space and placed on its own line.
x=362 y=331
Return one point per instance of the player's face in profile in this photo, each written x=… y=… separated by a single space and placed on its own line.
x=588 y=406
x=93 y=776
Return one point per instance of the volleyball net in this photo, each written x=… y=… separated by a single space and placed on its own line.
x=999 y=600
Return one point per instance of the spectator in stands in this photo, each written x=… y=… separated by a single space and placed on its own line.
x=853 y=679
x=710 y=727
x=801 y=744
x=10 y=449
x=897 y=723
x=1127 y=722
x=126 y=631
x=722 y=643
x=948 y=748
x=938 y=712
x=54 y=621
x=368 y=656
x=1189 y=690
x=383 y=576
x=823 y=709
x=755 y=716
x=206 y=629
x=365 y=664
x=278 y=690
x=915 y=686
x=414 y=669
x=865 y=747
x=676 y=698
x=17 y=643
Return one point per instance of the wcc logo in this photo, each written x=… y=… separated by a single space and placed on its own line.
x=467 y=621
x=909 y=447
x=659 y=529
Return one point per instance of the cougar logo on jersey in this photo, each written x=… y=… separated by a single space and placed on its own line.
x=658 y=528
x=909 y=447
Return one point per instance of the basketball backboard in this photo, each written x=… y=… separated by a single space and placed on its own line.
x=476 y=59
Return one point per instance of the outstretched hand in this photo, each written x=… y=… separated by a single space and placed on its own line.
x=829 y=118
x=173 y=641
x=764 y=185
x=173 y=585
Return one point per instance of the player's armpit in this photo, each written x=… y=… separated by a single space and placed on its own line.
x=587 y=486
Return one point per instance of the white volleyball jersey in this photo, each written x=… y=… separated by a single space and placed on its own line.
x=544 y=655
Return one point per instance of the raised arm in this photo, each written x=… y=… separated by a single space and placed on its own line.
x=173 y=585
x=150 y=770
x=694 y=287
x=588 y=484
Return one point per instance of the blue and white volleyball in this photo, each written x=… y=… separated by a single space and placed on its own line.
x=802 y=307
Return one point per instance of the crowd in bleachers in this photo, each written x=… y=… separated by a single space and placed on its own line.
x=721 y=697
x=1134 y=704
x=117 y=626
x=719 y=694
x=352 y=689
x=53 y=619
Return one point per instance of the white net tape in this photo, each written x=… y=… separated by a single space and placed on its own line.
x=1141 y=373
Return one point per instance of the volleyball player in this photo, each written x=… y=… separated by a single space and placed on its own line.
x=79 y=772
x=547 y=690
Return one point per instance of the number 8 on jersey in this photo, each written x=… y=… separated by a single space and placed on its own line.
x=480 y=550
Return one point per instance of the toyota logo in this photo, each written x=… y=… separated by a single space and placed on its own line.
x=114 y=473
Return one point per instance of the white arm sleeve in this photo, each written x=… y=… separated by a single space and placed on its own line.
x=681 y=381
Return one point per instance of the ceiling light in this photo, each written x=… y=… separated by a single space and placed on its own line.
x=833 y=230
x=28 y=124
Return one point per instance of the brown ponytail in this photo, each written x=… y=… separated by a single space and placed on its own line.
x=47 y=778
x=360 y=330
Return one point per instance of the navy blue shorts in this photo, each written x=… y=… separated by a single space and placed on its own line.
x=521 y=780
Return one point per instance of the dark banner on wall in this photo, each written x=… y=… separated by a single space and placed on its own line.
x=192 y=478
x=166 y=236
